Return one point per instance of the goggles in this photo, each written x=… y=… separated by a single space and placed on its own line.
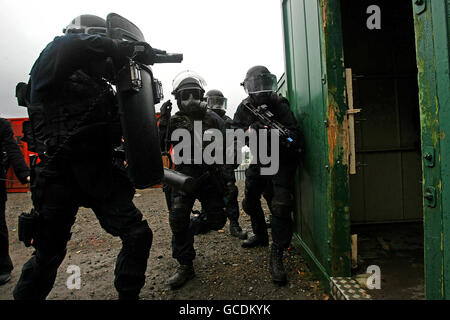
x=217 y=103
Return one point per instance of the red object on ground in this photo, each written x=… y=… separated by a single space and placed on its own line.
x=13 y=184
x=166 y=162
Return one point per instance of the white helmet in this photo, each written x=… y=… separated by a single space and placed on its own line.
x=188 y=80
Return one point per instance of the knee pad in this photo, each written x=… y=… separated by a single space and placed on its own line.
x=282 y=203
x=179 y=216
x=282 y=211
x=216 y=220
x=138 y=239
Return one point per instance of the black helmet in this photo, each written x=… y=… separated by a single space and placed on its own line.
x=214 y=93
x=216 y=101
x=188 y=80
x=259 y=79
x=86 y=23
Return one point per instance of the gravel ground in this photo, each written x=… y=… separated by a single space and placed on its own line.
x=224 y=270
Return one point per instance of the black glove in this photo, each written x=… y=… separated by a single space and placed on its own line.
x=139 y=51
x=164 y=112
x=143 y=53
x=166 y=108
x=258 y=125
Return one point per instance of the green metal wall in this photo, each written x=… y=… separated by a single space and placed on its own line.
x=431 y=22
x=314 y=72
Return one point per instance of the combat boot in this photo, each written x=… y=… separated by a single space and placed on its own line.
x=276 y=265
x=184 y=274
x=4 y=278
x=236 y=230
x=255 y=241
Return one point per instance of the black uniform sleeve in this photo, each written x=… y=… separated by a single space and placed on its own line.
x=15 y=156
x=242 y=119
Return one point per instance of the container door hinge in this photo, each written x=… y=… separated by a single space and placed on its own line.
x=430 y=196
x=429 y=157
x=419 y=6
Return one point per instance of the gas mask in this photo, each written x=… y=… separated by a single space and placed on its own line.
x=261 y=98
x=190 y=102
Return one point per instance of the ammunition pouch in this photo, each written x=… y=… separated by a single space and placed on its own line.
x=27 y=227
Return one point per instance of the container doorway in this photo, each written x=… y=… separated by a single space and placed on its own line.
x=386 y=190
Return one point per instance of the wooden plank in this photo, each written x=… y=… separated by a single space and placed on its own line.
x=354 y=251
x=351 y=120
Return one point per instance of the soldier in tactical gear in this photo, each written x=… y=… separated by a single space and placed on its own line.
x=74 y=114
x=260 y=85
x=10 y=154
x=188 y=89
x=218 y=103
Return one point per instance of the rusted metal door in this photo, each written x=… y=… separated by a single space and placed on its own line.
x=431 y=23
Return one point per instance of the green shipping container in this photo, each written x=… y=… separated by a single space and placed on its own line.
x=369 y=83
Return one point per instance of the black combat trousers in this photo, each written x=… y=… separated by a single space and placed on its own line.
x=232 y=205
x=5 y=261
x=231 y=193
x=278 y=191
x=212 y=202
x=57 y=200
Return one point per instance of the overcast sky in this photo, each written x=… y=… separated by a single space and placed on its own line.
x=220 y=39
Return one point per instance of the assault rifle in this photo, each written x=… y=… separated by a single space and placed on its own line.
x=266 y=118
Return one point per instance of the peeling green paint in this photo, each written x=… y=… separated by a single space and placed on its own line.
x=338 y=188
x=313 y=47
x=431 y=31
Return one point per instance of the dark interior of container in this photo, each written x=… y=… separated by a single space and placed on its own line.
x=386 y=191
